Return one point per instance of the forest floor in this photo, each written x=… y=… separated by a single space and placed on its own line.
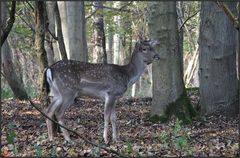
x=24 y=132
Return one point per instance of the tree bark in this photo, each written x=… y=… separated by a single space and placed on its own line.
x=76 y=31
x=217 y=65
x=39 y=42
x=7 y=65
x=169 y=96
x=238 y=54
x=8 y=69
x=180 y=16
x=61 y=41
x=53 y=53
x=99 y=40
x=5 y=32
x=109 y=46
x=62 y=9
x=116 y=36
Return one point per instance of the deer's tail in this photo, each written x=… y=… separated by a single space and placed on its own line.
x=47 y=81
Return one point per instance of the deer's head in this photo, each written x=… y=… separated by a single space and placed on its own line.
x=146 y=50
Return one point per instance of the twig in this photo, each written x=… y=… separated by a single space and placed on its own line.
x=33 y=30
x=30 y=5
x=54 y=37
x=89 y=16
x=74 y=132
x=112 y=8
x=188 y=19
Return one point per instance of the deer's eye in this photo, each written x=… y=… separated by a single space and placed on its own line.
x=144 y=49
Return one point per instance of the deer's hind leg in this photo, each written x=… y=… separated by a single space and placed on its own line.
x=56 y=102
x=59 y=113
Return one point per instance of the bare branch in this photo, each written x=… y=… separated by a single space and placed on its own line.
x=116 y=9
x=10 y=23
x=33 y=30
x=30 y=5
x=74 y=132
x=89 y=16
x=188 y=19
x=54 y=37
x=228 y=12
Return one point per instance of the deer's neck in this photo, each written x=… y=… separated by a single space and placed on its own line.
x=135 y=68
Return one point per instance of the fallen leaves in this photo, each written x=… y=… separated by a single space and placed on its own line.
x=25 y=128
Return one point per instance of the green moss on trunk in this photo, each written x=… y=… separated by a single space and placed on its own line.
x=181 y=108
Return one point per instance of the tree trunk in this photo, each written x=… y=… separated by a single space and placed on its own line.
x=9 y=73
x=169 y=96
x=180 y=14
x=116 y=36
x=61 y=41
x=99 y=42
x=6 y=30
x=239 y=54
x=109 y=46
x=53 y=54
x=76 y=31
x=62 y=8
x=39 y=42
x=7 y=65
x=217 y=66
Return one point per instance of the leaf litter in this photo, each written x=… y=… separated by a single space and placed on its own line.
x=24 y=132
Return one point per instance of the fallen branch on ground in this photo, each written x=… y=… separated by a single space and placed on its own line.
x=74 y=132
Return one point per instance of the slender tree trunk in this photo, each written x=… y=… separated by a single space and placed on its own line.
x=169 y=96
x=116 y=36
x=6 y=62
x=53 y=53
x=180 y=14
x=109 y=46
x=62 y=9
x=239 y=55
x=99 y=41
x=61 y=41
x=217 y=68
x=39 y=42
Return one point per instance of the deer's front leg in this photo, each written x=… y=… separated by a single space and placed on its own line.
x=113 y=122
x=109 y=103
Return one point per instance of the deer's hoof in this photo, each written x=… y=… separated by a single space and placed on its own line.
x=106 y=141
x=116 y=141
x=69 y=142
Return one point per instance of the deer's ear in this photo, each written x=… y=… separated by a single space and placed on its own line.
x=153 y=42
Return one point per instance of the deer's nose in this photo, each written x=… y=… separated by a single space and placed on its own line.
x=156 y=56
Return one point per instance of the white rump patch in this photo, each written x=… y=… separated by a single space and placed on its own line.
x=49 y=76
x=49 y=80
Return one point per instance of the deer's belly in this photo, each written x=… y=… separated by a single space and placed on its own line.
x=92 y=92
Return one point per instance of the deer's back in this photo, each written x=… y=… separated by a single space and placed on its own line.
x=88 y=78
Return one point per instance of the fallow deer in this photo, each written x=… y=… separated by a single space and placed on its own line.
x=68 y=79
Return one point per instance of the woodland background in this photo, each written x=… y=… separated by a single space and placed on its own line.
x=197 y=75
